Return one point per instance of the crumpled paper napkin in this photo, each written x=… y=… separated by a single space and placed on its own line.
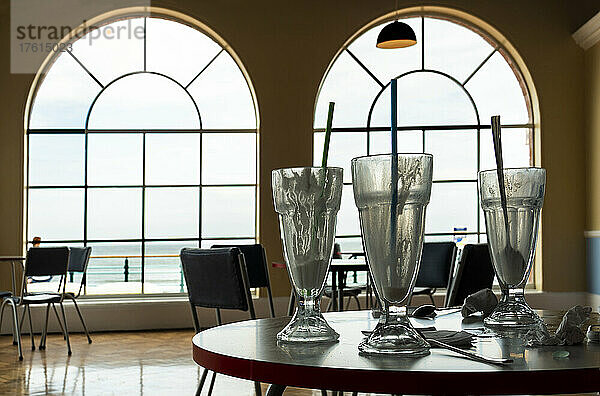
x=569 y=331
x=482 y=301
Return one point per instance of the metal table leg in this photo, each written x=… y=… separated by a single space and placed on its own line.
x=334 y=290
x=340 y=291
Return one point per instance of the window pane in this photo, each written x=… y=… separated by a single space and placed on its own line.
x=227 y=163
x=112 y=50
x=347 y=218
x=162 y=272
x=408 y=142
x=209 y=243
x=172 y=158
x=56 y=214
x=114 y=213
x=144 y=101
x=350 y=245
x=223 y=96
x=516 y=148
x=177 y=50
x=172 y=212
x=228 y=211
x=452 y=205
x=388 y=64
x=496 y=90
x=426 y=98
x=343 y=146
x=352 y=90
x=106 y=270
x=56 y=160
x=114 y=159
x=454 y=154
x=453 y=49
x=64 y=97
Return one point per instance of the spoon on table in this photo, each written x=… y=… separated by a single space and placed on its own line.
x=511 y=255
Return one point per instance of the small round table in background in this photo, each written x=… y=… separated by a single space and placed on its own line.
x=250 y=350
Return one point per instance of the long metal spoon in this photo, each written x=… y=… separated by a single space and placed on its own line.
x=471 y=355
x=511 y=255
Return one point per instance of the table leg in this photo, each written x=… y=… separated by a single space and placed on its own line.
x=275 y=390
x=340 y=291
x=334 y=290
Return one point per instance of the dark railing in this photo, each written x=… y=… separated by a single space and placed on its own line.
x=126 y=268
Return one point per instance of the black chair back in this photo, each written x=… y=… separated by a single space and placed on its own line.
x=47 y=261
x=215 y=278
x=436 y=263
x=256 y=263
x=79 y=258
x=473 y=273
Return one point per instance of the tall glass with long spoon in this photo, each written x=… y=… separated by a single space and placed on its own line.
x=512 y=201
x=392 y=222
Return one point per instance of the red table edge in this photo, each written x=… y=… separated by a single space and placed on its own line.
x=414 y=382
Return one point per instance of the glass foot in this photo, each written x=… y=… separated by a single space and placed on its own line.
x=397 y=339
x=512 y=314
x=313 y=328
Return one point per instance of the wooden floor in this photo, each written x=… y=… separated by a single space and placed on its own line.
x=130 y=363
x=124 y=363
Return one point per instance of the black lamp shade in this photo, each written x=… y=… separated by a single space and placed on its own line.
x=396 y=35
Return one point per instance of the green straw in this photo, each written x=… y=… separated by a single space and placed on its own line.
x=327 y=134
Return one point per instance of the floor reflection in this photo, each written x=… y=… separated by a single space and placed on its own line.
x=129 y=363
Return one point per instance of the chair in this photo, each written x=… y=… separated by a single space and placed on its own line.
x=216 y=278
x=258 y=270
x=78 y=262
x=8 y=299
x=474 y=272
x=350 y=292
x=45 y=261
x=437 y=259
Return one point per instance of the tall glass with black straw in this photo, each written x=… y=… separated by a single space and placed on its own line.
x=307 y=200
x=391 y=192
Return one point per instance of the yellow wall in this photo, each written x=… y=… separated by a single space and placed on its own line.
x=286 y=48
x=592 y=103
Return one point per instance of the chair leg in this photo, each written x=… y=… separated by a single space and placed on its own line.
x=22 y=319
x=2 y=314
x=4 y=302
x=202 y=380
x=30 y=328
x=212 y=383
x=62 y=309
x=195 y=318
x=257 y=388
x=329 y=305
x=16 y=328
x=291 y=303
x=87 y=334
x=62 y=329
x=357 y=302
x=45 y=331
x=432 y=300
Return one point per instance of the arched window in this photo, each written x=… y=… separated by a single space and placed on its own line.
x=449 y=85
x=142 y=139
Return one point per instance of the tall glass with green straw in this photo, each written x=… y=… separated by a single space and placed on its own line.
x=307 y=200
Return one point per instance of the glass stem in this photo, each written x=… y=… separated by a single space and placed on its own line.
x=513 y=295
x=309 y=306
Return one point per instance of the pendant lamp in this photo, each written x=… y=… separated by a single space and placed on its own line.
x=396 y=35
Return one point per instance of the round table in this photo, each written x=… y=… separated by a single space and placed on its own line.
x=250 y=350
